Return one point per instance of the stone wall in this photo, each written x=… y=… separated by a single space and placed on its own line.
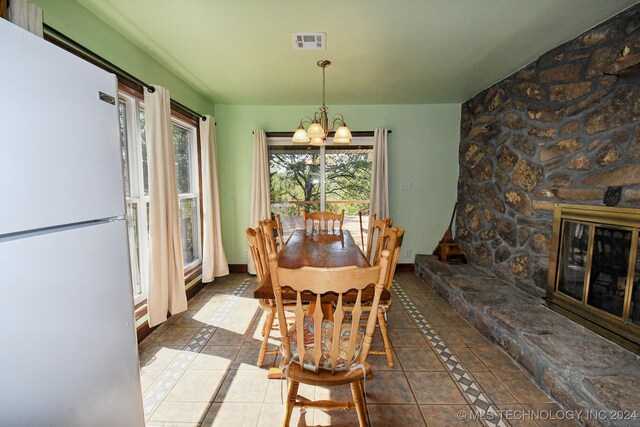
x=562 y=129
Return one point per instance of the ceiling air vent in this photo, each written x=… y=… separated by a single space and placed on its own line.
x=309 y=41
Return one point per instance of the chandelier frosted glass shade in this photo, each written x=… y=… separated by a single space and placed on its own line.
x=300 y=137
x=315 y=131
x=318 y=141
x=342 y=135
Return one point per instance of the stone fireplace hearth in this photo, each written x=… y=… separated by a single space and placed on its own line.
x=581 y=370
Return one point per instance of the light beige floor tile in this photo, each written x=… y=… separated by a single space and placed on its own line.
x=549 y=415
x=494 y=358
x=448 y=415
x=450 y=337
x=468 y=358
x=380 y=363
x=158 y=356
x=434 y=388
x=272 y=414
x=494 y=388
x=341 y=393
x=243 y=385
x=516 y=415
x=470 y=336
x=247 y=358
x=419 y=359
x=407 y=338
x=186 y=412
x=277 y=391
x=395 y=415
x=196 y=386
x=226 y=337
x=176 y=336
x=521 y=387
x=232 y=414
x=388 y=387
x=335 y=418
x=398 y=318
x=148 y=377
x=215 y=357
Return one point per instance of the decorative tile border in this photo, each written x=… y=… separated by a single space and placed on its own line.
x=174 y=371
x=464 y=380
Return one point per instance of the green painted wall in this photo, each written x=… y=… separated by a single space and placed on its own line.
x=423 y=149
x=423 y=145
x=76 y=22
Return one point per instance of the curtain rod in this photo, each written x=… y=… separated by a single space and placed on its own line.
x=61 y=40
x=290 y=134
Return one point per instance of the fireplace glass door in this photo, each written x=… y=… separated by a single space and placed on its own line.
x=609 y=269
x=594 y=275
x=575 y=246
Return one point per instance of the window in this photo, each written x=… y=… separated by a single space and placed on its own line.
x=330 y=178
x=136 y=183
x=185 y=144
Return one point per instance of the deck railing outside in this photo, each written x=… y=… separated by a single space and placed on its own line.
x=291 y=215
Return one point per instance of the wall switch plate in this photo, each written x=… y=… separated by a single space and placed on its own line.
x=406 y=252
x=406 y=186
x=245 y=253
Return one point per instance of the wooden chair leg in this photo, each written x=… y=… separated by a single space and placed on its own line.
x=268 y=323
x=264 y=325
x=291 y=400
x=364 y=396
x=358 y=398
x=385 y=338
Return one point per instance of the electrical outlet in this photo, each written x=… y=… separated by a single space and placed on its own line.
x=245 y=253
x=406 y=252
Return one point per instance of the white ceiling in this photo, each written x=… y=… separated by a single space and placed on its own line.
x=383 y=51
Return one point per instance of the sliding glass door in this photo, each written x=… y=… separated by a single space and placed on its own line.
x=329 y=178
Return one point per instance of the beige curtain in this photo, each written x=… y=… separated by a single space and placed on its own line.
x=26 y=15
x=379 y=199
x=166 y=271
x=260 y=197
x=214 y=260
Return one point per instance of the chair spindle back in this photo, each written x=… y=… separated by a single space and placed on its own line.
x=270 y=230
x=376 y=234
x=258 y=251
x=321 y=220
x=314 y=283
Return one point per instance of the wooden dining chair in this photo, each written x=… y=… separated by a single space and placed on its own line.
x=261 y=263
x=340 y=356
x=320 y=220
x=376 y=234
x=392 y=244
x=274 y=241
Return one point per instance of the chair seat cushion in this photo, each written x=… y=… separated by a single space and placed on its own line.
x=327 y=339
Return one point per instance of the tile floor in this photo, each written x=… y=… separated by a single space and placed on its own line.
x=198 y=369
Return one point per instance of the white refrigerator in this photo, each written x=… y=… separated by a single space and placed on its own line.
x=68 y=353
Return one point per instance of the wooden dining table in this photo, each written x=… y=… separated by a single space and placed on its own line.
x=328 y=249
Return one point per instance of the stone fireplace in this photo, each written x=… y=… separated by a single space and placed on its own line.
x=561 y=130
